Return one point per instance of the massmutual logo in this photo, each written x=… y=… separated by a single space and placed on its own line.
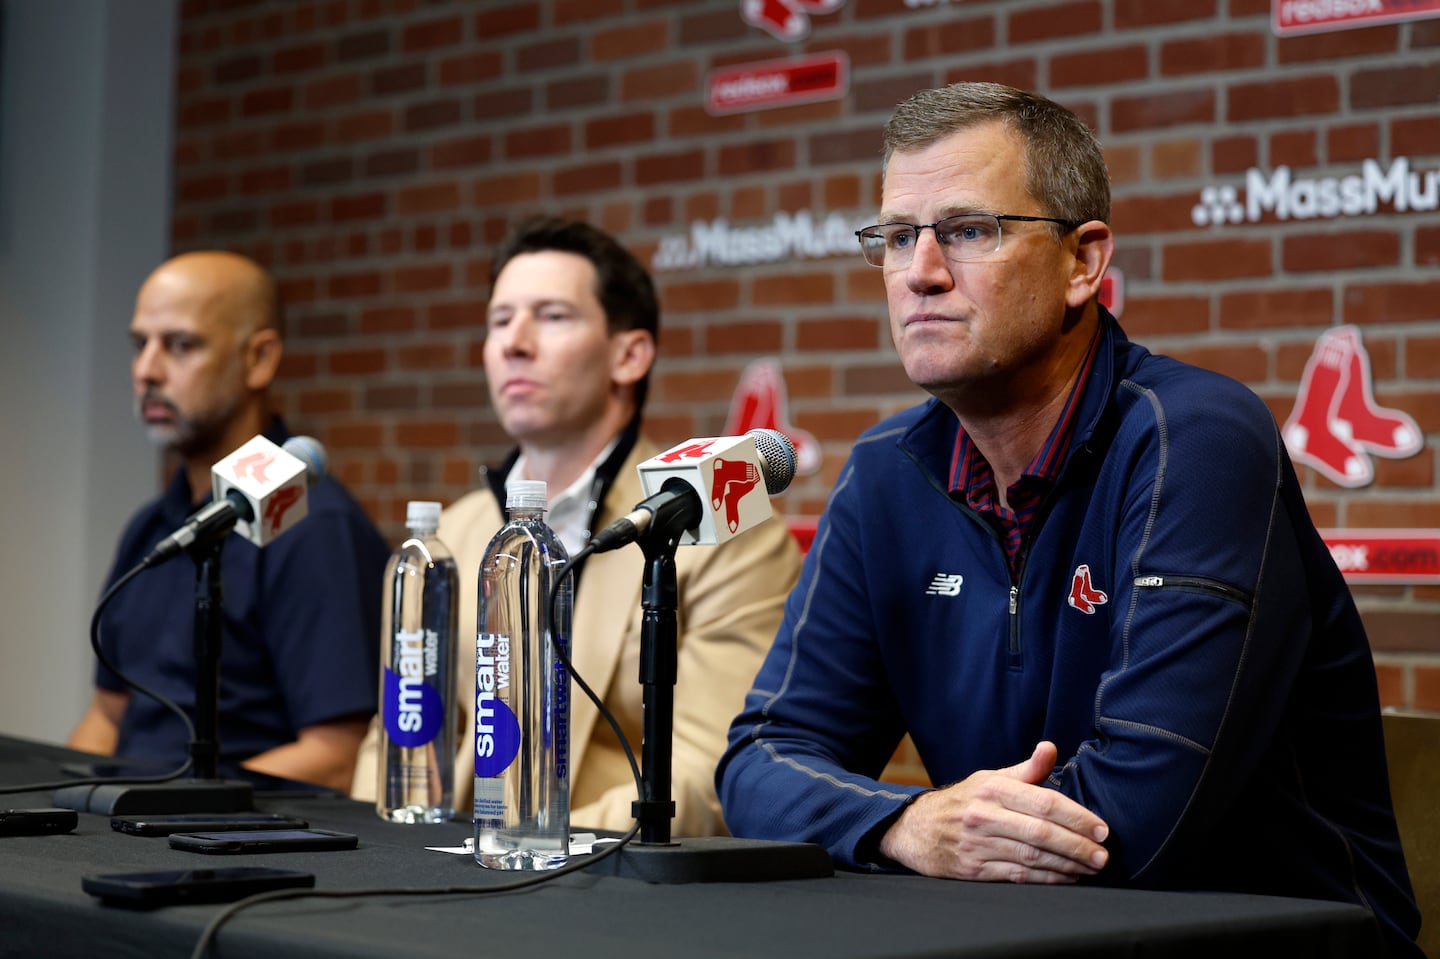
x=1288 y=197
x=788 y=236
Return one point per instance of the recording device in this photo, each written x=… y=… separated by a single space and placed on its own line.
x=147 y=890
x=714 y=488
x=37 y=822
x=259 y=493
x=263 y=840
x=203 y=822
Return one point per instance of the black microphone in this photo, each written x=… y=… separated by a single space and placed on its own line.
x=260 y=486
x=705 y=486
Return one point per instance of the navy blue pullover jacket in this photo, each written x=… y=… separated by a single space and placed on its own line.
x=1212 y=695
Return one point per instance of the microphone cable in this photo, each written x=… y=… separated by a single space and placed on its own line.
x=576 y=864
x=105 y=599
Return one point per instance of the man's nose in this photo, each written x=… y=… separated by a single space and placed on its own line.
x=929 y=268
x=146 y=367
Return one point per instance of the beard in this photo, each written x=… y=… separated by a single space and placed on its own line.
x=184 y=433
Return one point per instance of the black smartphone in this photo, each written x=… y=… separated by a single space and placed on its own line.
x=37 y=822
x=146 y=890
x=264 y=840
x=203 y=822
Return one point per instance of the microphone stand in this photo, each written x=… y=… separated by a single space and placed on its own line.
x=654 y=856
x=204 y=792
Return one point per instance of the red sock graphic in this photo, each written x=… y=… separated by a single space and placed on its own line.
x=1310 y=431
x=1381 y=431
x=760 y=403
x=732 y=480
x=776 y=18
x=1083 y=594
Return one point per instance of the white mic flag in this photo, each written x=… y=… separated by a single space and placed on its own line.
x=272 y=480
x=733 y=476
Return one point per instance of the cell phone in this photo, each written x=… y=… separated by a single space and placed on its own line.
x=37 y=822
x=147 y=890
x=203 y=822
x=264 y=840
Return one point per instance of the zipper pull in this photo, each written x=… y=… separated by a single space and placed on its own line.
x=1014 y=599
x=1149 y=581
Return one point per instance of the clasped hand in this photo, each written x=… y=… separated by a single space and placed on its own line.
x=1000 y=825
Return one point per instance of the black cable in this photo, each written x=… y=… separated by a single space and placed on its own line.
x=132 y=684
x=578 y=863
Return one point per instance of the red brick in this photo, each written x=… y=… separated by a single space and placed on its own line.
x=462 y=152
x=548 y=55
x=691 y=121
x=1152 y=214
x=669 y=167
x=1415 y=136
x=203 y=189
x=349 y=285
x=427 y=356
x=272 y=179
x=1130 y=14
x=1267 y=309
x=491 y=24
x=516 y=187
x=1283 y=99
x=320 y=402
x=1152 y=111
x=947 y=38
x=267 y=101
x=404 y=161
x=578 y=91
x=364 y=125
x=420 y=117
x=1176 y=158
x=756 y=157
x=793 y=289
x=428 y=198
x=357 y=362
x=1147 y=316
x=1216 y=259
x=294 y=213
x=1099 y=67
x=1234 y=154
x=700 y=295
x=296 y=136
x=1063 y=20
x=300 y=59
x=1211 y=54
x=423 y=278
x=590 y=178
x=858 y=334
x=581 y=11
x=1339 y=45
x=631 y=41
x=1427 y=246
x=362 y=46
x=515 y=101
x=359 y=206
x=393 y=398
x=620 y=130
x=1398 y=302
x=550 y=140
x=755 y=336
x=1295 y=148
x=642 y=84
x=1349 y=249
x=405 y=78
x=855 y=381
x=470 y=68
x=432 y=34
x=1352 y=142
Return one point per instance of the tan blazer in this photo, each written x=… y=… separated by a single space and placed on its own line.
x=730 y=603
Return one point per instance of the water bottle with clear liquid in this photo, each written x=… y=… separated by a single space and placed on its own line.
x=417 y=676
x=522 y=693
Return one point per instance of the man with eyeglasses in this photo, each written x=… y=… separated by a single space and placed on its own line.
x=1082 y=578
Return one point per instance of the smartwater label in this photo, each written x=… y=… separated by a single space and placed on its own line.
x=497 y=731
x=413 y=710
x=489 y=798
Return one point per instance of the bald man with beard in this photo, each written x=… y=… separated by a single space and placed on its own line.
x=301 y=617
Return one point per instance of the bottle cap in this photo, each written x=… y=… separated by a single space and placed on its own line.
x=525 y=494
x=422 y=514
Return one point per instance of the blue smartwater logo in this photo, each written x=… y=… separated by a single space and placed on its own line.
x=413 y=710
x=497 y=731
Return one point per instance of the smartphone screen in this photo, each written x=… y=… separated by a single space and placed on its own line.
x=37 y=822
x=175 y=886
x=203 y=822
x=264 y=840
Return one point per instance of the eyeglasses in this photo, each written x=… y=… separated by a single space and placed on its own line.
x=966 y=236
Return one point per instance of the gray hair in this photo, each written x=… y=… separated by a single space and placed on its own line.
x=1064 y=165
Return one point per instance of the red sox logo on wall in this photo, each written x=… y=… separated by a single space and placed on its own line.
x=785 y=19
x=760 y=403
x=1336 y=424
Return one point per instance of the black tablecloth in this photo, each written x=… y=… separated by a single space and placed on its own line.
x=44 y=912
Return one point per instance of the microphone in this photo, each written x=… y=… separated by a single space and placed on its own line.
x=259 y=492
x=713 y=488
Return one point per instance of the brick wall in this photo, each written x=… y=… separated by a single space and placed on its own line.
x=372 y=151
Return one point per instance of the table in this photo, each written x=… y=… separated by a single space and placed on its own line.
x=44 y=913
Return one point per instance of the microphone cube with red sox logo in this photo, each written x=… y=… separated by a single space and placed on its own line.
x=271 y=479
x=728 y=475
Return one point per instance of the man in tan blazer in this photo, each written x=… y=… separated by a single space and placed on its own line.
x=571 y=338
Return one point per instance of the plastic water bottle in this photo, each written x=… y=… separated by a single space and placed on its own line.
x=417 y=676
x=522 y=693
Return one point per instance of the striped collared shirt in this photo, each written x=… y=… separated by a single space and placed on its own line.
x=971 y=476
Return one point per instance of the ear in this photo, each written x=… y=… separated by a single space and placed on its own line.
x=632 y=353
x=262 y=358
x=1095 y=245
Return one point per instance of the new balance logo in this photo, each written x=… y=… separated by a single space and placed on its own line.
x=945 y=584
x=1083 y=594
